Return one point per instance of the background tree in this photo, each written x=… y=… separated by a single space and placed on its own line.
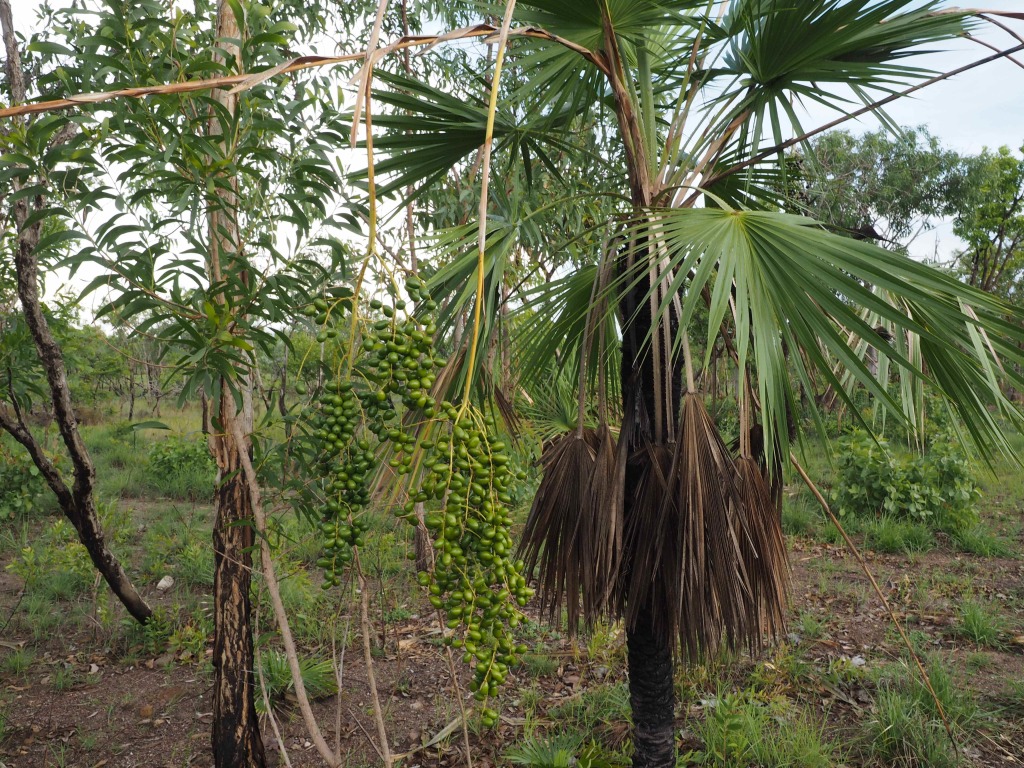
x=213 y=240
x=879 y=186
x=32 y=165
x=991 y=222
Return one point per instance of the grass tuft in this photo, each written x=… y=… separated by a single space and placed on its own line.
x=979 y=624
x=887 y=534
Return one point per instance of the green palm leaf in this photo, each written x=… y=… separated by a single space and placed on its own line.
x=780 y=283
x=430 y=131
x=780 y=50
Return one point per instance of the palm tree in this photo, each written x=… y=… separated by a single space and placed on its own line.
x=655 y=518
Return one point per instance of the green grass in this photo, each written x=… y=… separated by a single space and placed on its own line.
x=810 y=626
x=120 y=459
x=538 y=664
x=63 y=680
x=63 y=585
x=957 y=703
x=901 y=735
x=170 y=530
x=1014 y=697
x=980 y=624
x=800 y=517
x=186 y=485
x=17 y=662
x=980 y=540
x=742 y=730
x=123 y=468
x=887 y=534
x=905 y=728
x=36 y=615
x=194 y=565
x=606 y=643
x=593 y=708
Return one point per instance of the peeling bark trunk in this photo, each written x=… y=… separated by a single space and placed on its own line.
x=236 y=738
x=78 y=502
x=237 y=742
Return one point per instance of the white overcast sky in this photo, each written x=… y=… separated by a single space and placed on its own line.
x=980 y=108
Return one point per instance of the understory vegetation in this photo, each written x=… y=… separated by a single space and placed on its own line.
x=825 y=696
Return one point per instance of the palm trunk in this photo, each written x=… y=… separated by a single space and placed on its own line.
x=651 y=695
x=651 y=691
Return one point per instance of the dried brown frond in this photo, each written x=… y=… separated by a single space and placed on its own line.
x=763 y=549
x=683 y=536
x=599 y=531
x=507 y=411
x=551 y=535
x=757 y=451
x=447 y=376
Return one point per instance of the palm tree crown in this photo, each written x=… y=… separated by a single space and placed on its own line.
x=640 y=147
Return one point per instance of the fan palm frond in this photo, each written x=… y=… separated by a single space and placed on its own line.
x=687 y=539
x=551 y=540
x=778 y=283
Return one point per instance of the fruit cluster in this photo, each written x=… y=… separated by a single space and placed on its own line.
x=345 y=464
x=475 y=582
x=451 y=460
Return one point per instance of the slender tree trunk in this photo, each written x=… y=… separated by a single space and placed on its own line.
x=282 y=408
x=153 y=379
x=237 y=742
x=131 y=393
x=78 y=502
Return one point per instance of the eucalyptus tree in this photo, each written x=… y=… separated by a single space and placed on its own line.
x=991 y=222
x=654 y=518
x=880 y=186
x=204 y=214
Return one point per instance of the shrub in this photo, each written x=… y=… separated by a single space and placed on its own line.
x=936 y=488
x=20 y=484
x=56 y=564
x=153 y=636
x=180 y=466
